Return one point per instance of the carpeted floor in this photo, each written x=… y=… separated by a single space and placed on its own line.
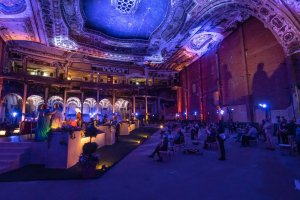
x=109 y=156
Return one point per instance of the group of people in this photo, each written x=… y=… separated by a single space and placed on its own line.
x=47 y=120
x=287 y=133
x=174 y=134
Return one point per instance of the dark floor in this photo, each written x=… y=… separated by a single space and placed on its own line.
x=109 y=156
x=250 y=173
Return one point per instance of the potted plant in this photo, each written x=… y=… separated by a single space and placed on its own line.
x=88 y=161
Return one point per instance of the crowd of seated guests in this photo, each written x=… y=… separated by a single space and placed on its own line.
x=174 y=134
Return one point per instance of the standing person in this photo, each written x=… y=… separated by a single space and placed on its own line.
x=283 y=131
x=43 y=124
x=79 y=119
x=221 y=140
x=268 y=131
x=118 y=127
x=291 y=129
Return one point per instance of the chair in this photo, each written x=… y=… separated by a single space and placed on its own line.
x=290 y=147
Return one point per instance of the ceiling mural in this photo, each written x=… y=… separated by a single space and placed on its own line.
x=163 y=34
x=124 y=19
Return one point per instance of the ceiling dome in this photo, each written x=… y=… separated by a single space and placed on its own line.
x=124 y=19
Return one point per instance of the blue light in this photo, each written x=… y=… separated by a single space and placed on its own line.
x=14 y=114
x=263 y=105
x=195 y=113
x=222 y=112
x=136 y=114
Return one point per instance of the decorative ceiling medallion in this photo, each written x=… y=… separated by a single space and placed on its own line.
x=65 y=43
x=125 y=6
x=203 y=42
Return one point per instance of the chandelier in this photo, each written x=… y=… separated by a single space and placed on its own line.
x=126 y=6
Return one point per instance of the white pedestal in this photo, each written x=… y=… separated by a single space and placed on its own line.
x=63 y=151
x=110 y=136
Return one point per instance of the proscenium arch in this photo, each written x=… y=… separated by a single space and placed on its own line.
x=276 y=19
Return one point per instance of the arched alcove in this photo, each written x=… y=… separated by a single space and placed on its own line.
x=12 y=108
x=33 y=102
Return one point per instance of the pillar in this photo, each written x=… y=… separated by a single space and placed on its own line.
x=147 y=76
x=133 y=106
x=158 y=106
x=46 y=95
x=1 y=100
x=179 y=100
x=24 y=65
x=98 y=99
x=24 y=101
x=92 y=77
x=82 y=101
x=249 y=103
x=146 y=107
x=219 y=80
x=113 y=102
x=66 y=71
x=65 y=103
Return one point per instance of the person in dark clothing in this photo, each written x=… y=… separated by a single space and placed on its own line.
x=118 y=127
x=179 y=138
x=211 y=136
x=163 y=146
x=221 y=140
x=291 y=128
x=193 y=134
x=283 y=131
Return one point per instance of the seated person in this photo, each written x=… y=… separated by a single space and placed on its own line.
x=163 y=146
x=211 y=136
x=241 y=131
x=179 y=138
x=193 y=134
x=251 y=135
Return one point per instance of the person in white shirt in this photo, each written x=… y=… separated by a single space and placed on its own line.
x=268 y=128
x=251 y=135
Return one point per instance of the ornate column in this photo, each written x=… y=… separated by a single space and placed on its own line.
x=24 y=101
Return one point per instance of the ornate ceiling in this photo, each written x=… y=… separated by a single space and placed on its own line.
x=168 y=34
